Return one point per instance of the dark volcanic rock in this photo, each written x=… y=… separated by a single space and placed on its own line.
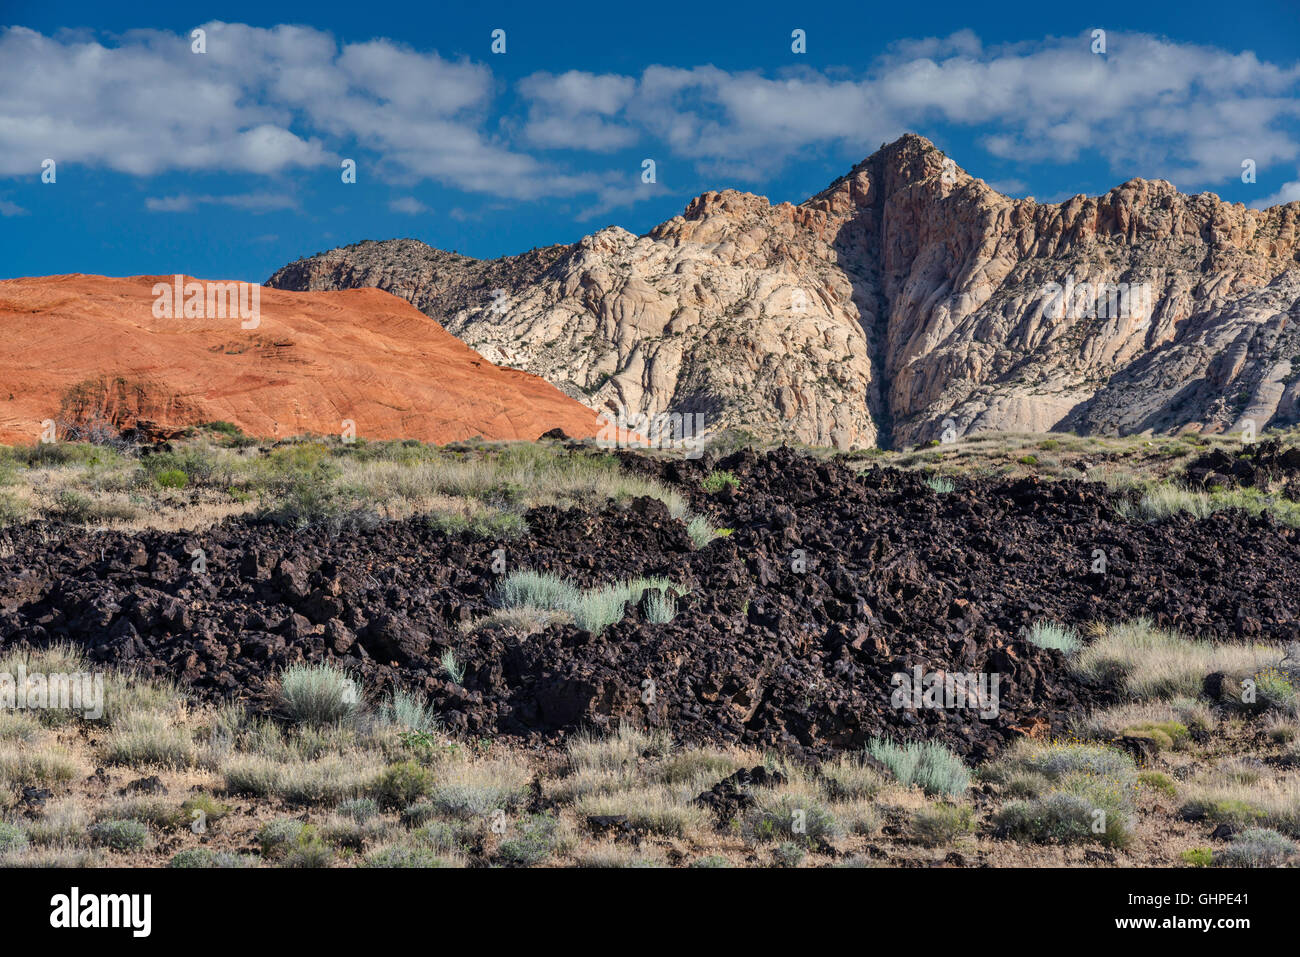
x=789 y=633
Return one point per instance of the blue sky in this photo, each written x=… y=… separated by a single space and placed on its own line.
x=226 y=164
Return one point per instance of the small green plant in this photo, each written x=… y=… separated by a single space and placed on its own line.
x=941 y=485
x=1028 y=460
x=202 y=807
x=717 y=480
x=1197 y=857
x=221 y=427
x=171 y=478
x=1158 y=781
x=12 y=837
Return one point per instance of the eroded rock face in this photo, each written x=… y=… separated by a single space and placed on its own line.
x=906 y=294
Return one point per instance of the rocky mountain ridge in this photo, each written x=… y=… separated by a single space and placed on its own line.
x=905 y=301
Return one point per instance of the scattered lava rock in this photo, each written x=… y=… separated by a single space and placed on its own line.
x=734 y=794
x=1255 y=465
x=150 y=785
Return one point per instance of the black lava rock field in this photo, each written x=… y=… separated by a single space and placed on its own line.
x=788 y=636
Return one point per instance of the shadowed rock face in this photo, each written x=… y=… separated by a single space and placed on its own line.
x=88 y=350
x=905 y=294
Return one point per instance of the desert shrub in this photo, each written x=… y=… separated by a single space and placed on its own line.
x=223 y=428
x=202 y=807
x=694 y=764
x=203 y=857
x=536 y=590
x=788 y=817
x=12 y=510
x=62 y=823
x=360 y=810
x=446 y=837
x=408 y=711
x=1147 y=662
x=119 y=835
x=941 y=824
x=311 y=854
x=592 y=609
x=1274 y=690
x=657 y=809
x=472 y=789
x=12 y=837
x=660 y=608
x=1163 y=734
x=929 y=765
x=454 y=669
x=405 y=856
x=77 y=509
x=1164 y=501
x=30 y=767
x=329 y=780
x=701 y=531
x=619 y=751
x=1223 y=810
x=19 y=726
x=710 y=861
x=940 y=484
x=1053 y=635
x=847 y=778
x=402 y=784
x=146 y=738
x=283 y=836
x=534 y=839
x=318 y=694
x=788 y=854
x=171 y=478
x=1060 y=817
x=487 y=524
x=1256 y=847
x=1057 y=760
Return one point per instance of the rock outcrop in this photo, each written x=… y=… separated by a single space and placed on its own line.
x=83 y=351
x=906 y=298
